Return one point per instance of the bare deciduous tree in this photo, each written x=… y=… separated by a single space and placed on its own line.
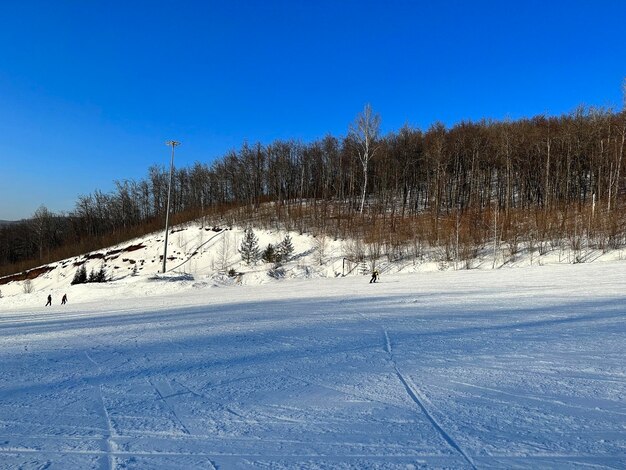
x=364 y=131
x=321 y=245
x=224 y=252
x=28 y=287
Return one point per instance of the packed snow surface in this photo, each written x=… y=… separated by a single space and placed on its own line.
x=510 y=368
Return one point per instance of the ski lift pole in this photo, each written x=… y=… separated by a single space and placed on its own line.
x=173 y=144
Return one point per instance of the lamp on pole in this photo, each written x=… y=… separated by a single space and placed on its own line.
x=171 y=143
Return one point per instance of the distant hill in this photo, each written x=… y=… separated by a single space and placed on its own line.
x=7 y=222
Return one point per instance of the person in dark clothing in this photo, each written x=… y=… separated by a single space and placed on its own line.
x=64 y=299
x=49 y=300
x=374 y=276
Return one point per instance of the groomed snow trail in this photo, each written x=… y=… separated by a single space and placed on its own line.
x=519 y=368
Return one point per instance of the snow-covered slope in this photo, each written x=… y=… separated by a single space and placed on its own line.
x=513 y=368
x=483 y=368
x=204 y=254
x=200 y=255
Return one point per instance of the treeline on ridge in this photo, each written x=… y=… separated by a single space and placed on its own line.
x=531 y=180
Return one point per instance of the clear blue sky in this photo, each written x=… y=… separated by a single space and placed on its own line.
x=90 y=91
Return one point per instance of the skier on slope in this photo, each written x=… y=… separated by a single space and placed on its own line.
x=374 y=276
x=49 y=300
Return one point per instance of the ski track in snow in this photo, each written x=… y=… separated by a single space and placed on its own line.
x=109 y=432
x=416 y=394
x=164 y=398
x=595 y=409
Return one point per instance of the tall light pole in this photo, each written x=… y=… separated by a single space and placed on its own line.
x=173 y=144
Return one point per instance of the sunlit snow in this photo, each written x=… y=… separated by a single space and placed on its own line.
x=505 y=368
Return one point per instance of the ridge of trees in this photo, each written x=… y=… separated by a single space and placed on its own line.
x=538 y=179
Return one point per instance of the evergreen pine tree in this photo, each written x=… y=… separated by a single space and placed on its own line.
x=80 y=277
x=269 y=254
x=249 y=248
x=101 y=275
x=285 y=249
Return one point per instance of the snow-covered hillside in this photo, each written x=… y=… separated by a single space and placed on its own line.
x=508 y=368
x=204 y=254
x=201 y=255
